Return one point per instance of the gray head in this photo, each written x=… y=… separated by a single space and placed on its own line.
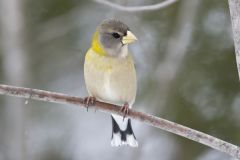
x=114 y=37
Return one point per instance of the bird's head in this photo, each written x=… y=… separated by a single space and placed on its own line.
x=112 y=38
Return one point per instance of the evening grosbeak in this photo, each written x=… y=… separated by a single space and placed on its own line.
x=110 y=75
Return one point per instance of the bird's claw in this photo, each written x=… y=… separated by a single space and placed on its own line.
x=125 y=110
x=89 y=101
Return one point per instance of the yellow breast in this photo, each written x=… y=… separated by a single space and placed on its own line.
x=98 y=61
x=110 y=79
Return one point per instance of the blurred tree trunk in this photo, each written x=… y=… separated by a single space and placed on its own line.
x=14 y=67
x=234 y=6
x=176 y=50
x=177 y=47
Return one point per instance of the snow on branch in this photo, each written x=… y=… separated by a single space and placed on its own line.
x=153 y=7
x=151 y=120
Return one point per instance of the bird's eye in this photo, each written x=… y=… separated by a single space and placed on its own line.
x=115 y=35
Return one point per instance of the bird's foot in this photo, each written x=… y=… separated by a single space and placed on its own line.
x=89 y=101
x=125 y=110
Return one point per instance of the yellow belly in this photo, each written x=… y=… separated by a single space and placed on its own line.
x=110 y=79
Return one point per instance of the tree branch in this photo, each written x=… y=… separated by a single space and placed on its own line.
x=157 y=6
x=166 y=125
x=234 y=6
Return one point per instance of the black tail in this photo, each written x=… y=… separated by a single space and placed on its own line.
x=123 y=137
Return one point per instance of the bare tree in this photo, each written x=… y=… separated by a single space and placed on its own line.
x=14 y=61
x=234 y=6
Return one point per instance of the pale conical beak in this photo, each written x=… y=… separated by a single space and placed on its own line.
x=129 y=38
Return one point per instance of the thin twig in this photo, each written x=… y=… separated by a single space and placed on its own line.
x=154 y=7
x=234 y=6
x=166 y=125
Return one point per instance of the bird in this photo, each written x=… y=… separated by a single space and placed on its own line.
x=110 y=75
